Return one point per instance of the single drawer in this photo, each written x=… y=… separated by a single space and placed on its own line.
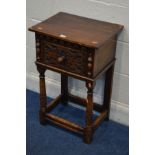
x=69 y=59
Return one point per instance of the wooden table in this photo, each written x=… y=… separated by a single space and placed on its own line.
x=81 y=48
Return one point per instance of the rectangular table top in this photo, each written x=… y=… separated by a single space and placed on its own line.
x=80 y=30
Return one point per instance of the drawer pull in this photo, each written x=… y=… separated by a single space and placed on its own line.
x=61 y=59
x=90 y=59
x=89 y=65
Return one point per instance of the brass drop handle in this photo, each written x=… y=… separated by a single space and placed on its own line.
x=61 y=59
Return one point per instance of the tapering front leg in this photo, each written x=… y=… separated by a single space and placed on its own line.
x=88 y=133
x=42 y=111
x=64 y=89
x=108 y=90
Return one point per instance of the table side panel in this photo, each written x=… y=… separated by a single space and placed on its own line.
x=104 y=55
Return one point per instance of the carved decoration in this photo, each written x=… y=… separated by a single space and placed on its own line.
x=51 y=50
x=90 y=64
x=90 y=85
x=67 y=44
x=73 y=60
x=38 y=52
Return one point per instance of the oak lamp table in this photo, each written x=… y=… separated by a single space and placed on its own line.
x=82 y=48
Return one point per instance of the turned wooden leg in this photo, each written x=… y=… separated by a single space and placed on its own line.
x=64 y=89
x=42 y=110
x=88 y=133
x=108 y=90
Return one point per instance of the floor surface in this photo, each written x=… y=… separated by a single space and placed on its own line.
x=109 y=139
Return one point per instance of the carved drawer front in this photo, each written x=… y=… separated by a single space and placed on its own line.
x=65 y=58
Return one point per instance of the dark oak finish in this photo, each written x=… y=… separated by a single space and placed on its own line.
x=104 y=57
x=108 y=90
x=64 y=89
x=89 y=111
x=78 y=30
x=64 y=123
x=99 y=119
x=83 y=102
x=81 y=48
x=53 y=103
x=42 y=110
